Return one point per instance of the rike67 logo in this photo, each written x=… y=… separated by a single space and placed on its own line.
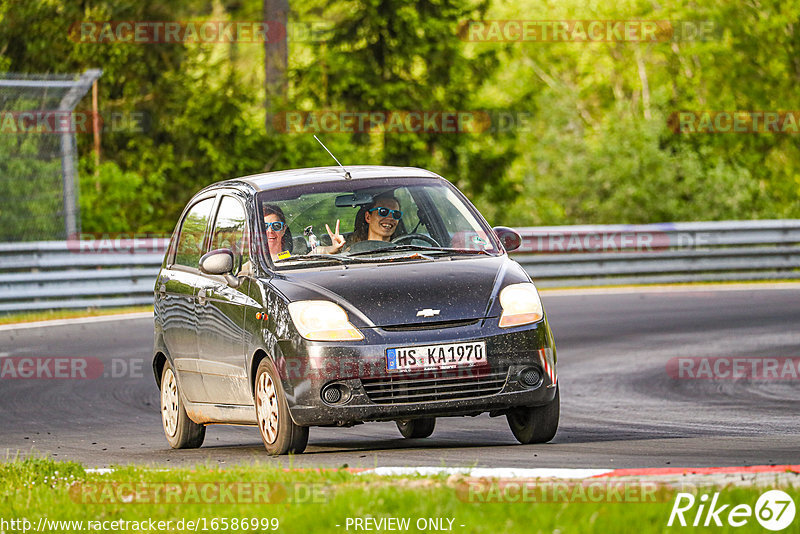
x=774 y=510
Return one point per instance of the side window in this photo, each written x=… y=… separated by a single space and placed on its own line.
x=230 y=231
x=193 y=229
x=410 y=211
x=461 y=226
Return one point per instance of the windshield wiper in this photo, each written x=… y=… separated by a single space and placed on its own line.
x=395 y=248
x=317 y=258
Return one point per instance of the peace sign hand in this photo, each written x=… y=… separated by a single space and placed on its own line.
x=337 y=241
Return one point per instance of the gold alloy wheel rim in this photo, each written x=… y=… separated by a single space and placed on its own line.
x=267 y=407
x=169 y=403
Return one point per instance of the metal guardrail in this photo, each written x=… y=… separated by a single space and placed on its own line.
x=67 y=274
x=106 y=273
x=596 y=255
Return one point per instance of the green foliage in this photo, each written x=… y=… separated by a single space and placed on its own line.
x=594 y=146
x=599 y=149
x=386 y=55
x=115 y=202
x=31 y=203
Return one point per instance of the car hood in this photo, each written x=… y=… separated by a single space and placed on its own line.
x=390 y=294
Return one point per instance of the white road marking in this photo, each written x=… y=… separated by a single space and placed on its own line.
x=489 y=472
x=690 y=288
x=77 y=320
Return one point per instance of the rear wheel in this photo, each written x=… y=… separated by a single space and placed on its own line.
x=537 y=424
x=417 y=428
x=181 y=432
x=279 y=433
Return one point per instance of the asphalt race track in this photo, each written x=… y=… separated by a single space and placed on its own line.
x=620 y=407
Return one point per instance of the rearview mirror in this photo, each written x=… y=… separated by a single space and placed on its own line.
x=508 y=237
x=353 y=199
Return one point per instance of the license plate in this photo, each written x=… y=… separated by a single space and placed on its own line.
x=436 y=356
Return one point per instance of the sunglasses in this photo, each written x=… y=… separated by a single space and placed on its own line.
x=276 y=226
x=384 y=212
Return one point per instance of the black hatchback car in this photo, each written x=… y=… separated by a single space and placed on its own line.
x=325 y=297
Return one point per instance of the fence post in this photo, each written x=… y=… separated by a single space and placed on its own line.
x=69 y=149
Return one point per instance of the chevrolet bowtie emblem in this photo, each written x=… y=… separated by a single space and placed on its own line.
x=427 y=312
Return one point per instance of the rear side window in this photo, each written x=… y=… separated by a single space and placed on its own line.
x=193 y=229
x=230 y=231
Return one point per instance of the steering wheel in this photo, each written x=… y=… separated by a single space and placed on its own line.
x=411 y=237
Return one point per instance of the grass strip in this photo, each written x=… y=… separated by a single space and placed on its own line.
x=271 y=498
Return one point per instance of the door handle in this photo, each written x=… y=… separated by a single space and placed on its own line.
x=201 y=297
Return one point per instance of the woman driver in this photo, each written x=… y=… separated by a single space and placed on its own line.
x=377 y=221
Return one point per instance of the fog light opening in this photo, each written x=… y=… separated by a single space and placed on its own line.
x=335 y=394
x=530 y=376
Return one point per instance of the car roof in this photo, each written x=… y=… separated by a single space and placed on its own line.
x=287 y=178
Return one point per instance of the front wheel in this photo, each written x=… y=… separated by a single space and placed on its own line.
x=181 y=432
x=417 y=428
x=279 y=433
x=537 y=424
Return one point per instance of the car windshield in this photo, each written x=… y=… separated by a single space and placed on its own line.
x=378 y=220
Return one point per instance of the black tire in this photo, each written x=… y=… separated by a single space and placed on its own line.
x=416 y=428
x=180 y=431
x=278 y=431
x=537 y=424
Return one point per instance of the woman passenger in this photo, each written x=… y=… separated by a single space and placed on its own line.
x=279 y=239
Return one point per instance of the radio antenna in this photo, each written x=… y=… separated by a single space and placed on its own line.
x=346 y=173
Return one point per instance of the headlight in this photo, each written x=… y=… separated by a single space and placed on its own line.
x=322 y=320
x=521 y=305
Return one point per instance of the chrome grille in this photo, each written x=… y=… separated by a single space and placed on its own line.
x=432 y=386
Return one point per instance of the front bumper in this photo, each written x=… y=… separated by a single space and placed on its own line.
x=360 y=368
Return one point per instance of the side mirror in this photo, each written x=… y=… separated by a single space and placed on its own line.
x=217 y=261
x=220 y=261
x=508 y=237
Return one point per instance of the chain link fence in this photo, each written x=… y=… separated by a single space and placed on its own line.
x=38 y=155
